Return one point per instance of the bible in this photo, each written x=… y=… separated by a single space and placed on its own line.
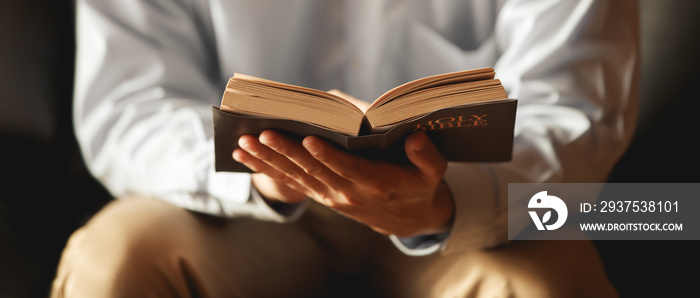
x=467 y=114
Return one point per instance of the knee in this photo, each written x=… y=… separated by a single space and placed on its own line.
x=130 y=224
x=134 y=231
x=121 y=247
x=543 y=269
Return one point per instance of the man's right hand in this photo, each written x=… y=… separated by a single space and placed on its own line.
x=405 y=200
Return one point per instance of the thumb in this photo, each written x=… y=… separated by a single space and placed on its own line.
x=423 y=153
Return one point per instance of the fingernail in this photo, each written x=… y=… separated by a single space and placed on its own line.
x=421 y=142
x=236 y=155
x=311 y=147
x=243 y=144
x=272 y=143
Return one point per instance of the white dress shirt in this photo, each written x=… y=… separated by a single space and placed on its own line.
x=148 y=73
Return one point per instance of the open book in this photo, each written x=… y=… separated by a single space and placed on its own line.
x=467 y=114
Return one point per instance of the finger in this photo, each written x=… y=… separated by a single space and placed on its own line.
x=423 y=154
x=302 y=158
x=260 y=166
x=285 y=155
x=261 y=152
x=346 y=165
x=274 y=160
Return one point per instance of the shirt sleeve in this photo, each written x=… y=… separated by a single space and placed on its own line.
x=146 y=78
x=573 y=65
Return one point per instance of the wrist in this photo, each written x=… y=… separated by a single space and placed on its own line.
x=441 y=217
x=444 y=203
x=274 y=192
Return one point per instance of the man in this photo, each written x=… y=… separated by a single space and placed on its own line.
x=148 y=73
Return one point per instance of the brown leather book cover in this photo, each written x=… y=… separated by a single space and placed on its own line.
x=472 y=133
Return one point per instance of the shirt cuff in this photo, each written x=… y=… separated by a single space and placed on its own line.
x=479 y=221
x=420 y=245
x=237 y=197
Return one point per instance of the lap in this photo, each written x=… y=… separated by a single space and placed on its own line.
x=150 y=244
x=153 y=247
x=552 y=268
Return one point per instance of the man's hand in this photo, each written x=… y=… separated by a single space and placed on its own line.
x=402 y=200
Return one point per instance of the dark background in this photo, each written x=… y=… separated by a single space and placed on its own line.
x=47 y=193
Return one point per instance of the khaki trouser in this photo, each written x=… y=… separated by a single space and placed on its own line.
x=149 y=248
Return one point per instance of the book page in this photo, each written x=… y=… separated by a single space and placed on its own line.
x=282 y=87
x=343 y=113
x=360 y=104
x=395 y=113
x=424 y=96
x=433 y=81
x=254 y=96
